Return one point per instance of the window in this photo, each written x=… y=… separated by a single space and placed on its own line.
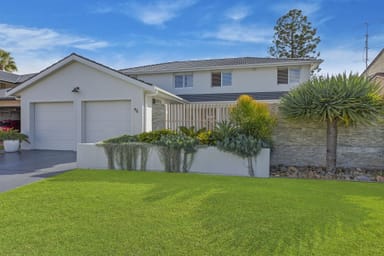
x=183 y=80
x=294 y=76
x=219 y=79
x=288 y=76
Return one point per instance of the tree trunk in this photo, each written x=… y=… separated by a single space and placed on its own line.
x=331 y=145
x=251 y=172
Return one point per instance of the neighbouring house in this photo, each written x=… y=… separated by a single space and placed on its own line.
x=375 y=70
x=77 y=100
x=10 y=105
x=223 y=80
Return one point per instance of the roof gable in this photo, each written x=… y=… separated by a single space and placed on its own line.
x=371 y=65
x=87 y=62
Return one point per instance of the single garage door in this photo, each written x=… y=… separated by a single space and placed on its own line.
x=55 y=126
x=106 y=119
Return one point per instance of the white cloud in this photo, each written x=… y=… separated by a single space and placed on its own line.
x=36 y=48
x=151 y=13
x=241 y=33
x=238 y=12
x=21 y=39
x=338 y=60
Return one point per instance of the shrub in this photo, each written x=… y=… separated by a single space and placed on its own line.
x=177 y=151
x=241 y=145
x=122 y=139
x=12 y=134
x=224 y=129
x=253 y=119
x=153 y=136
x=204 y=136
x=178 y=141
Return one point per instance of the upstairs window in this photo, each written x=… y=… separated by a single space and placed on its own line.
x=288 y=76
x=294 y=76
x=219 y=79
x=183 y=80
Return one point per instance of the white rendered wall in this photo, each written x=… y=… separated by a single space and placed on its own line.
x=94 y=86
x=206 y=160
x=243 y=80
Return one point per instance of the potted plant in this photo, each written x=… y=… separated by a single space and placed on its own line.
x=11 y=139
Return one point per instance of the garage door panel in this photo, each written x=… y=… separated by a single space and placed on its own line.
x=106 y=119
x=54 y=126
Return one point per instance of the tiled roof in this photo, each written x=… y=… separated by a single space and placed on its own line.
x=192 y=65
x=14 y=78
x=232 y=96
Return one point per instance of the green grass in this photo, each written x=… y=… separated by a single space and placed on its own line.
x=140 y=213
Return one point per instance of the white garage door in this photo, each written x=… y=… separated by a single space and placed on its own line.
x=106 y=119
x=55 y=126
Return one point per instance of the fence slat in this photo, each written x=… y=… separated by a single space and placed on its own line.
x=199 y=115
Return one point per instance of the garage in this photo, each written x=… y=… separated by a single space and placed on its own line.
x=106 y=119
x=54 y=126
x=78 y=100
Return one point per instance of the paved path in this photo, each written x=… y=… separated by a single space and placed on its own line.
x=27 y=166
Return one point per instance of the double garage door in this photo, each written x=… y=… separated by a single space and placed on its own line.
x=56 y=125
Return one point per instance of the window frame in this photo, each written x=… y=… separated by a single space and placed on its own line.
x=291 y=78
x=224 y=75
x=184 y=77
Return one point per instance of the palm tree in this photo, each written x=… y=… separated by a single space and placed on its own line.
x=7 y=63
x=341 y=99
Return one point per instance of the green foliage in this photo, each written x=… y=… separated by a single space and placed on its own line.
x=178 y=141
x=126 y=156
x=191 y=131
x=7 y=63
x=224 y=129
x=241 y=145
x=206 y=138
x=12 y=134
x=122 y=139
x=294 y=37
x=349 y=99
x=153 y=136
x=177 y=151
x=253 y=119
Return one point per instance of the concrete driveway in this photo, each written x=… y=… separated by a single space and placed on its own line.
x=26 y=166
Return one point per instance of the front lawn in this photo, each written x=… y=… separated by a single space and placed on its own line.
x=85 y=212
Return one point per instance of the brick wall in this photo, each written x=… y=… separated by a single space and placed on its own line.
x=304 y=143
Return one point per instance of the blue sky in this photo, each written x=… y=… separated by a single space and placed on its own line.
x=129 y=33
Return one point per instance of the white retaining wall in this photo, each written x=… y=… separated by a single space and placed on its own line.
x=206 y=160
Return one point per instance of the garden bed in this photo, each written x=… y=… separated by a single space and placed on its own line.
x=313 y=172
x=205 y=160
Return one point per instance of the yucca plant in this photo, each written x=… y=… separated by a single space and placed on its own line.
x=340 y=99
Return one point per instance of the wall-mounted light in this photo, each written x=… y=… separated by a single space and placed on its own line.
x=136 y=110
x=76 y=89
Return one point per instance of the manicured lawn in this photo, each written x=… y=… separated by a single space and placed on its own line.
x=86 y=212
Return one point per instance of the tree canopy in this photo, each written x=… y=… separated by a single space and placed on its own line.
x=7 y=63
x=294 y=37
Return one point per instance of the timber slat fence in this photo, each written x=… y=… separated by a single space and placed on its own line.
x=199 y=115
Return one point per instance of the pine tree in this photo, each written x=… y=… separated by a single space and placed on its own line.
x=294 y=37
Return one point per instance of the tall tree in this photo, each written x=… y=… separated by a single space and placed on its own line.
x=7 y=63
x=294 y=37
x=341 y=99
